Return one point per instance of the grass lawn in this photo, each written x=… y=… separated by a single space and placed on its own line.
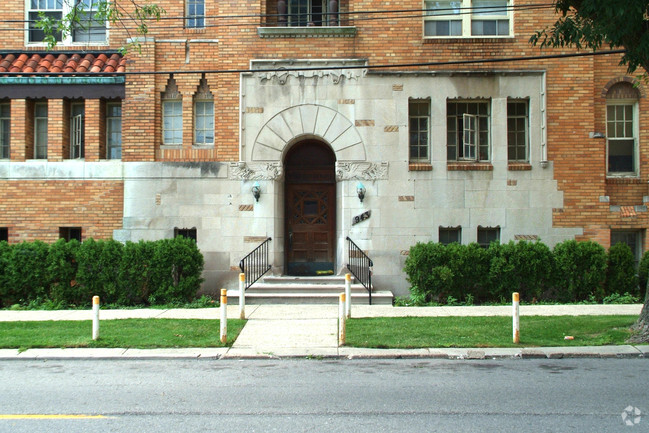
x=535 y=331
x=126 y=333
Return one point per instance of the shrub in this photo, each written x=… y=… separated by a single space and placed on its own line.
x=176 y=271
x=581 y=268
x=5 y=251
x=470 y=264
x=135 y=274
x=26 y=277
x=62 y=271
x=620 y=273
x=523 y=267
x=427 y=271
x=643 y=272
x=98 y=269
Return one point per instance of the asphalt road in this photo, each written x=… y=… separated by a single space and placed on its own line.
x=580 y=395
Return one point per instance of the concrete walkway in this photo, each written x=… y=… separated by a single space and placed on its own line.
x=278 y=331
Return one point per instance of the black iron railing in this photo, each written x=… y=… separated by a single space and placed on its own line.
x=360 y=265
x=256 y=264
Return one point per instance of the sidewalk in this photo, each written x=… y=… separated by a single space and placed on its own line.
x=290 y=331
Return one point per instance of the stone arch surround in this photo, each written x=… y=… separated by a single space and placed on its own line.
x=308 y=120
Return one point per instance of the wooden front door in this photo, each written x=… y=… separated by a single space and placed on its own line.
x=310 y=210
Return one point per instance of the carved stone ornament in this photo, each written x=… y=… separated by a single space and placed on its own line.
x=262 y=171
x=361 y=171
x=282 y=71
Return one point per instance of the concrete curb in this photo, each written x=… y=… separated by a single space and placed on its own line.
x=625 y=351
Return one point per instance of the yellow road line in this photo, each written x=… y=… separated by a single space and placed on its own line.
x=44 y=416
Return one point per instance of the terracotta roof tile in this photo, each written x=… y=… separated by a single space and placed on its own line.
x=73 y=62
x=628 y=211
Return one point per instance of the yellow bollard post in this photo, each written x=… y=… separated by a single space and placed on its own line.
x=341 y=320
x=95 y=317
x=348 y=295
x=224 y=316
x=516 y=317
x=242 y=296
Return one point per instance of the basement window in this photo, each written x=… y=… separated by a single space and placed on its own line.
x=186 y=233
x=69 y=233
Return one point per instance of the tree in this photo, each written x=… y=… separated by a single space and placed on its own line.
x=591 y=24
x=127 y=14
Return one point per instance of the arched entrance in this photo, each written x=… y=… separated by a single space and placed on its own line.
x=310 y=208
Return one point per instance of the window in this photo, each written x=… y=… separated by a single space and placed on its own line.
x=467 y=131
x=195 y=12
x=4 y=234
x=307 y=13
x=69 y=233
x=77 y=130
x=186 y=233
x=448 y=235
x=172 y=122
x=466 y=18
x=419 y=118
x=517 y=127
x=632 y=238
x=5 y=129
x=620 y=137
x=114 y=130
x=87 y=30
x=40 y=130
x=203 y=115
x=487 y=235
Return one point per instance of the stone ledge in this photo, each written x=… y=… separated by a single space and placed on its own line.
x=419 y=166
x=519 y=166
x=306 y=32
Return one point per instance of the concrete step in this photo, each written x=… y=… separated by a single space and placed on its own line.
x=322 y=297
x=303 y=288
x=323 y=279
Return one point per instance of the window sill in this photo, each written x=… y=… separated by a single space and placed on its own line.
x=306 y=32
x=202 y=146
x=519 y=166
x=420 y=166
x=621 y=180
x=194 y=30
x=469 y=166
x=171 y=146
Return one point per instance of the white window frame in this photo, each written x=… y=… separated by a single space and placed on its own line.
x=77 y=130
x=635 y=131
x=206 y=127
x=193 y=19
x=468 y=138
x=113 y=131
x=176 y=138
x=58 y=9
x=466 y=12
x=513 y=134
x=40 y=131
x=5 y=130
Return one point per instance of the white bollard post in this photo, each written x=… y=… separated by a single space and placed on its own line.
x=224 y=316
x=516 y=317
x=95 y=317
x=341 y=320
x=348 y=295
x=242 y=296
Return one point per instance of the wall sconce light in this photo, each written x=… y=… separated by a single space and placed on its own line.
x=256 y=191
x=360 y=190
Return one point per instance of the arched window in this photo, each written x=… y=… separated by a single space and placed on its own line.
x=203 y=115
x=622 y=129
x=172 y=115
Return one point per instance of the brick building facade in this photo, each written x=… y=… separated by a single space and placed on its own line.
x=225 y=96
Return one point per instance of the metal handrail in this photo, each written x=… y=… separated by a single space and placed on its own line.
x=360 y=265
x=256 y=263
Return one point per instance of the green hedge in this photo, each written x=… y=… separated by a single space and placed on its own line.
x=571 y=272
x=71 y=273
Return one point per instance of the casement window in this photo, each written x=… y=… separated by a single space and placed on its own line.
x=87 y=29
x=114 y=130
x=77 y=130
x=186 y=233
x=40 y=130
x=5 y=129
x=419 y=129
x=69 y=233
x=449 y=235
x=4 y=234
x=195 y=14
x=172 y=122
x=633 y=238
x=306 y=13
x=487 y=235
x=517 y=130
x=467 y=130
x=203 y=122
x=467 y=18
x=621 y=137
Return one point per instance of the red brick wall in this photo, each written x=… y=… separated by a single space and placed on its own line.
x=36 y=209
